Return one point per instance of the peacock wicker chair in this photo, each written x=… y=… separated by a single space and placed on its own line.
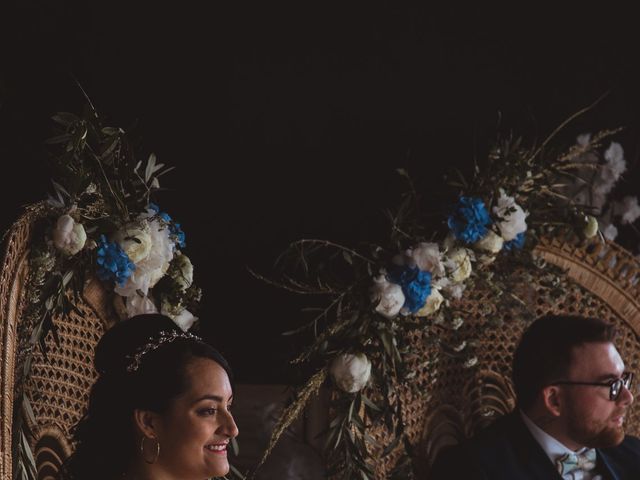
x=58 y=385
x=447 y=402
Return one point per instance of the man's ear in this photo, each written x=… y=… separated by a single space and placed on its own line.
x=551 y=399
x=146 y=422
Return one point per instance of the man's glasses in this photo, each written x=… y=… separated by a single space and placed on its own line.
x=615 y=386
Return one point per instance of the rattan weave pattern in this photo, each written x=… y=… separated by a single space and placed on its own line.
x=59 y=384
x=447 y=402
x=13 y=273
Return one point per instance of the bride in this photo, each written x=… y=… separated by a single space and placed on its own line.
x=160 y=408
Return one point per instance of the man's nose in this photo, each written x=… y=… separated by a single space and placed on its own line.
x=626 y=397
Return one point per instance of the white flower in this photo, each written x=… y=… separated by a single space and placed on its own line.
x=458 y=264
x=351 y=372
x=608 y=174
x=610 y=232
x=388 y=295
x=154 y=265
x=455 y=290
x=457 y=323
x=591 y=226
x=584 y=139
x=135 y=240
x=182 y=270
x=461 y=346
x=68 y=236
x=433 y=303
x=428 y=258
x=490 y=243
x=139 y=305
x=630 y=209
x=512 y=217
x=616 y=164
x=470 y=362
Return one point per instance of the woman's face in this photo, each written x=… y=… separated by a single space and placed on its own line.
x=194 y=433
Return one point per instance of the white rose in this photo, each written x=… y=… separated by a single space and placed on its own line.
x=512 y=217
x=428 y=258
x=434 y=300
x=591 y=226
x=154 y=265
x=182 y=270
x=389 y=297
x=185 y=319
x=351 y=372
x=455 y=290
x=490 y=243
x=610 y=232
x=68 y=236
x=138 y=305
x=135 y=240
x=630 y=210
x=458 y=264
x=615 y=165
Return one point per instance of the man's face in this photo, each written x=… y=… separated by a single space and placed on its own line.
x=591 y=418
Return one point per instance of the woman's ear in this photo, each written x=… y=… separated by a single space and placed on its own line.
x=552 y=400
x=146 y=422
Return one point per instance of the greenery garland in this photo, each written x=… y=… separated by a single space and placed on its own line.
x=377 y=294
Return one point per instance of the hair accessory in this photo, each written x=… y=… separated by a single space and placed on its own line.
x=154 y=343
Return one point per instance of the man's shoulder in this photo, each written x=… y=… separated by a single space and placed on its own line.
x=630 y=448
x=624 y=459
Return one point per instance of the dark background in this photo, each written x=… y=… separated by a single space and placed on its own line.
x=288 y=121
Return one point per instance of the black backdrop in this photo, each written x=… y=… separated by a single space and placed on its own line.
x=288 y=121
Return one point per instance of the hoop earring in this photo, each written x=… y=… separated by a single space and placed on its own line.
x=155 y=458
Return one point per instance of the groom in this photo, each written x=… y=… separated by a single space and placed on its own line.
x=573 y=395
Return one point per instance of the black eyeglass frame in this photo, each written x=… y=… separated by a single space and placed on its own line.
x=615 y=386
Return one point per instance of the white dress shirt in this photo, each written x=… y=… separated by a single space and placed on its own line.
x=554 y=449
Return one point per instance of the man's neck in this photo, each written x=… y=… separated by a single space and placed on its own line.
x=553 y=427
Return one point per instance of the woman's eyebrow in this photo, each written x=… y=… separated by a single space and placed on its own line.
x=215 y=398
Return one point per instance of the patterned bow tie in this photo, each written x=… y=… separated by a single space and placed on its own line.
x=569 y=462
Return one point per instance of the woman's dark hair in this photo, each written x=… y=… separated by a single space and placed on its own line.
x=105 y=438
x=544 y=353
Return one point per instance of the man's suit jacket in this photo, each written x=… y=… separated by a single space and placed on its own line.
x=507 y=451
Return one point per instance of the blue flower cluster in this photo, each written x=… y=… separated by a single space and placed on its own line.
x=179 y=235
x=415 y=284
x=114 y=264
x=470 y=220
x=517 y=243
x=174 y=228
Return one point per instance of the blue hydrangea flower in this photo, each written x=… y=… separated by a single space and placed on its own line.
x=469 y=220
x=517 y=243
x=177 y=232
x=415 y=284
x=114 y=264
x=174 y=228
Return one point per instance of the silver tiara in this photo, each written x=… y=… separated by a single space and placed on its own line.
x=163 y=338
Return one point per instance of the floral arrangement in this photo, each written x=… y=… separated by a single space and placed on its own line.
x=100 y=223
x=378 y=294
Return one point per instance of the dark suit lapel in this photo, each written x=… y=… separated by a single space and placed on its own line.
x=531 y=456
x=606 y=466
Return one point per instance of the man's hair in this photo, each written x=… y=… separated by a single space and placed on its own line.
x=544 y=353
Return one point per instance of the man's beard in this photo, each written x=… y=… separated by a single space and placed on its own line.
x=595 y=434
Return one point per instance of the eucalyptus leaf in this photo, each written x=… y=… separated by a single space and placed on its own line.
x=65 y=118
x=28 y=411
x=58 y=139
